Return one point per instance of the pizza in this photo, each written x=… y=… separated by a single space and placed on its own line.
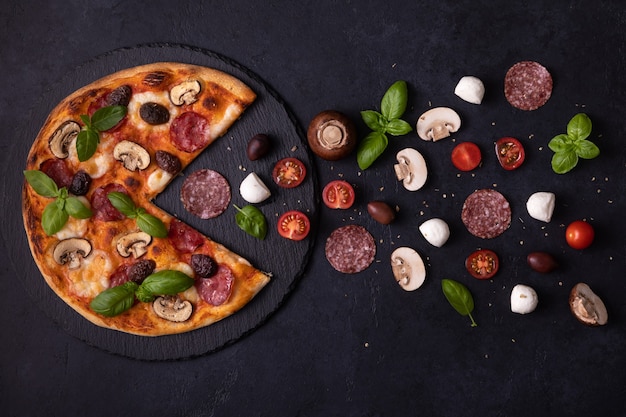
x=103 y=154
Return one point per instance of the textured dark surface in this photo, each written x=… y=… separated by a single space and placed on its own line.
x=358 y=345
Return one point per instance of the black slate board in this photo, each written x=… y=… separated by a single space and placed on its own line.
x=285 y=260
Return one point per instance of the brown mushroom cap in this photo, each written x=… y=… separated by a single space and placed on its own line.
x=586 y=306
x=331 y=135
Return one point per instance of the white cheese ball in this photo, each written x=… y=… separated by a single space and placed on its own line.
x=540 y=206
x=435 y=231
x=470 y=89
x=523 y=299
x=253 y=190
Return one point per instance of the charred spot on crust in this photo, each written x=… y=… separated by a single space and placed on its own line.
x=131 y=182
x=156 y=78
x=209 y=103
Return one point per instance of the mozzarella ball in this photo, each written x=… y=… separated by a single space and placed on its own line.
x=470 y=89
x=540 y=206
x=523 y=299
x=435 y=231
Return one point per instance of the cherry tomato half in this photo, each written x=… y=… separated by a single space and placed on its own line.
x=579 y=234
x=482 y=264
x=294 y=225
x=510 y=152
x=338 y=194
x=466 y=156
x=289 y=172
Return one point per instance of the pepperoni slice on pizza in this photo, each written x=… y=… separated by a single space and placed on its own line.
x=103 y=154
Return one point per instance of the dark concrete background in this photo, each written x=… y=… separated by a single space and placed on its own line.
x=358 y=345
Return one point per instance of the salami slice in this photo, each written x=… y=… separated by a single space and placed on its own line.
x=184 y=238
x=217 y=289
x=486 y=213
x=205 y=193
x=101 y=205
x=190 y=132
x=350 y=249
x=527 y=85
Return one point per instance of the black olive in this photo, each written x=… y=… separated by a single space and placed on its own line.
x=258 y=146
x=168 y=162
x=203 y=265
x=154 y=113
x=140 y=270
x=80 y=183
x=120 y=96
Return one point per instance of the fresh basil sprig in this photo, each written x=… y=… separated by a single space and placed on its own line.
x=387 y=121
x=252 y=221
x=115 y=300
x=57 y=212
x=102 y=119
x=459 y=297
x=146 y=222
x=570 y=146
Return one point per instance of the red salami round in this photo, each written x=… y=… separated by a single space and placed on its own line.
x=205 y=193
x=190 y=131
x=184 y=238
x=58 y=171
x=486 y=213
x=527 y=85
x=101 y=205
x=350 y=249
x=217 y=289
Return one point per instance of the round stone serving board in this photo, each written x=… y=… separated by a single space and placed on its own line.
x=286 y=260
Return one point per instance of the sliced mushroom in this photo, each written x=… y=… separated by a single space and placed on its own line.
x=408 y=268
x=71 y=252
x=411 y=169
x=586 y=306
x=132 y=155
x=60 y=140
x=185 y=93
x=438 y=123
x=172 y=308
x=134 y=243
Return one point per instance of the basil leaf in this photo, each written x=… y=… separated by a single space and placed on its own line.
x=86 y=120
x=371 y=148
x=563 y=162
x=107 y=117
x=459 y=297
x=41 y=183
x=561 y=143
x=586 y=149
x=53 y=218
x=374 y=120
x=151 y=225
x=579 y=127
x=166 y=282
x=75 y=208
x=115 y=300
x=393 y=104
x=252 y=221
x=86 y=144
x=123 y=203
x=398 y=127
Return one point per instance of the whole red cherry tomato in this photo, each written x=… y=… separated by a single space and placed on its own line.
x=579 y=234
x=466 y=156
